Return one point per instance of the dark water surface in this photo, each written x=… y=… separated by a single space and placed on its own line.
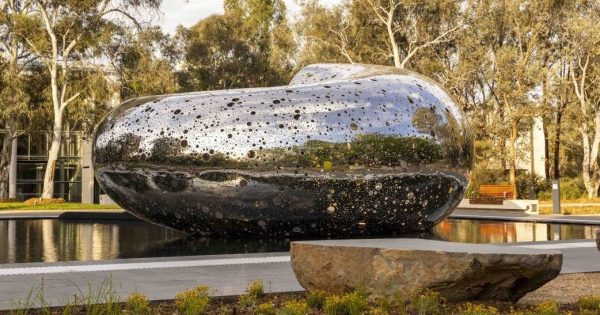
x=57 y=240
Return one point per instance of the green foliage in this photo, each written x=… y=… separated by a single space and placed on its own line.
x=137 y=304
x=589 y=303
x=294 y=308
x=570 y=189
x=247 y=300
x=316 y=299
x=354 y=303
x=251 y=45
x=194 y=301
x=547 y=308
x=142 y=72
x=428 y=303
x=266 y=309
x=477 y=309
x=254 y=291
x=256 y=288
x=525 y=182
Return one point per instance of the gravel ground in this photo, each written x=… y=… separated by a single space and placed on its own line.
x=566 y=288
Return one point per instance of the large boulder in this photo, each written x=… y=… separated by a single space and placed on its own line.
x=457 y=271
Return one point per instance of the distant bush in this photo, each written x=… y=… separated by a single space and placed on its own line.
x=481 y=175
x=524 y=182
x=570 y=188
x=194 y=301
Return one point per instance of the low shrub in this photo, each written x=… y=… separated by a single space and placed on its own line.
x=346 y=304
x=137 y=304
x=256 y=288
x=547 y=308
x=316 y=299
x=247 y=300
x=477 y=309
x=589 y=302
x=194 y=301
x=428 y=303
x=294 y=308
x=266 y=309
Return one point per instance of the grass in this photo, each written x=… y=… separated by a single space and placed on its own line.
x=197 y=301
x=546 y=206
x=5 y=206
x=580 y=200
x=570 y=210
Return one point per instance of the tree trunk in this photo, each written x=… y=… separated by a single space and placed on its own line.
x=394 y=44
x=513 y=154
x=590 y=170
x=48 y=191
x=5 y=159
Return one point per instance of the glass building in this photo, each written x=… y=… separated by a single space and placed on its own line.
x=72 y=175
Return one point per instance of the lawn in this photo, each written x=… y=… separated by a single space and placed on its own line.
x=4 y=206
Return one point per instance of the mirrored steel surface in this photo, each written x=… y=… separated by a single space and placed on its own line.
x=342 y=150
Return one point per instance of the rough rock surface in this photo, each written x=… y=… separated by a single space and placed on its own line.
x=457 y=271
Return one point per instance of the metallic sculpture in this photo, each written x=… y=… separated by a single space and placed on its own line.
x=342 y=150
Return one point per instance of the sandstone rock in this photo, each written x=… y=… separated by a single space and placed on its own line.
x=457 y=271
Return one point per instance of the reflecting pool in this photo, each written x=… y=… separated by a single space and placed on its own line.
x=58 y=240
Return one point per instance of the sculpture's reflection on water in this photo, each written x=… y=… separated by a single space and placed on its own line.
x=54 y=240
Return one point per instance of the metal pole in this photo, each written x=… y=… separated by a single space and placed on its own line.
x=12 y=170
x=555 y=197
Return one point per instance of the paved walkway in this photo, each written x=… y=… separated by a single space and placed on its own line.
x=162 y=278
x=523 y=217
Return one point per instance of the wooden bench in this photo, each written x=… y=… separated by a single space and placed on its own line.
x=494 y=194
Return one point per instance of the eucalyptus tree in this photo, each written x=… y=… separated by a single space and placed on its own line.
x=65 y=35
x=346 y=32
x=413 y=26
x=583 y=37
x=14 y=63
x=143 y=62
x=251 y=44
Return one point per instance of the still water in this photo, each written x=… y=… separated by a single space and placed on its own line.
x=56 y=240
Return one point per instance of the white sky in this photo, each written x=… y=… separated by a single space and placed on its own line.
x=188 y=12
